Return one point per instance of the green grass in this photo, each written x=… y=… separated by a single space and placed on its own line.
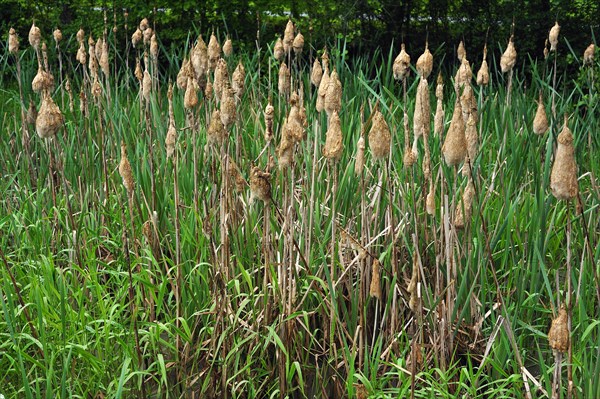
x=84 y=309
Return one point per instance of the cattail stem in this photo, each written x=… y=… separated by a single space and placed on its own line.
x=569 y=299
x=25 y=128
x=554 y=87
x=179 y=275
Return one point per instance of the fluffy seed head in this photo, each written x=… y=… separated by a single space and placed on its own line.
x=455 y=144
x=509 y=57
x=334 y=144
x=199 y=58
x=213 y=51
x=540 y=122
x=80 y=36
x=139 y=74
x=288 y=37
x=237 y=80
x=375 y=286
x=81 y=54
x=216 y=133
x=228 y=109
x=425 y=63
x=35 y=36
x=125 y=171
x=333 y=95
x=464 y=208
x=221 y=79
x=146 y=85
x=42 y=81
x=171 y=137
x=558 y=336
x=260 y=185
x=144 y=24
x=588 y=55
x=154 y=47
x=464 y=74
x=316 y=73
x=283 y=83
x=563 y=179
x=190 y=98
x=401 y=66
x=278 y=50
x=483 y=75
x=227 y=48
x=461 y=53
x=58 y=36
x=49 y=119
x=13 y=41
x=104 y=63
x=359 y=164
x=148 y=36
x=323 y=85
x=183 y=74
x=379 y=136
x=298 y=44
x=472 y=138
x=422 y=115
x=430 y=200
x=136 y=38
x=553 y=36
x=269 y=115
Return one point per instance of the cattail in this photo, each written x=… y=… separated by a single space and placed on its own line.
x=35 y=36
x=558 y=336
x=471 y=138
x=144 y=24
x=104 y=62
x=32 y=113
x=98 y=49
x=316 y=73
x=125 y=171
x=283 y=83
x=288 y=37
x=83 y=103
x=227 y=48
x=334 y=144
x=483 y=75
x=190 y=98
x=553 y=36
x=430 y=200
x=422 y=115
x=58 y=36
x=49 y=119
x=322 y=91
x=359 y=164
x=546 y=49
x=588 y=55
x=464 y=74
x=154 y=47
x=260 y=185
x=278 y=51
x=468 y=103
x=509 y=57
x=80 y=36
x=228 y=110
x=81 y=54
x=285 y=151
x=296 y=119
x=42 y=81
x=412 y=285
x=464 y=209
x=199 y=58
x=148 y=36
x=136 y=38
x=438 y=121
x=92 y=62
x=237 y=80
x=401 y=66
x=333 y=95
x=216 y=133
x=455 y=144
x=236 y=178
x=269 y=115
x=70 y=93
x=221 y=79
x=208 y=90
x=183 y=74
x=563 y=179
x=379 y=137
x=13 y=41
x=213 y=52
x=425 y=63
x=171 y=137
x=375 y=286
x=461 y=53
x=147 y=85
x=298 y=44
x=96 y=89
x=139 y=74
x=540 y=122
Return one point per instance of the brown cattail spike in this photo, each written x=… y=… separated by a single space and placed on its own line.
x=563 y=179
x=379 y=137
x=333 y=95
x=461 y=53
x=455 y=144
x=269 y=115
x=58 y=36
x=588 y=55
x=228 y=109
x=509 y=57
x=288 y=37
x=401 y=66
x=260 y=185
x=558 y=336
x=190 y=98
x=375 y=286
x=553 y=36
x=540 y=122
x=464 y=208
x=49 y=119
x=125 y=171
x=35 y=36
x=278 y=51
x=483 y=75
x=237 y=81
x=283 y=82
x=213 y=52
x=425 y=63
x=334 y=144
x=136 y=38
x=216 y=133
x=316 y=73
x=359 y=164
x=228 y=48
x=298 y=44
x=171 y=137
x=13 y=41
x=438 y=121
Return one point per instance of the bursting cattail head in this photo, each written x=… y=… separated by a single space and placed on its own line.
x=228 y=48
x=213 y=51
x=425 y=63
x=464 y=208
x=104 y=63
x=540 y=122
x=401 y=66
x=199 y=58
x=148 y=36
x=483 y=75
x=260 y=185
x=125 y=171
x=139 y=74
x=509 y=57
x=359 y=164
x=237 y=80
x=98 y=48
x=221 y=79
x=13 y=41
x=58 y=36
x=80 y=36
x=171 y=137
x=558 y=336
x=146 y=85
x=184 y=73
x=216 y=133
x=49 y=119
x=322 y=91
x=333 y=95
x=288 y=37
x=455 y=144
x=379 y=136
x=42 y=81
x=298 y=44
x=316 y=74
x=190 y=98
x=228 y=109
x=438 y=121
x=553 y=36
x=269 y=115
x=430 y=200
x=81 y=54
x=96 y=89
x=136 y=38
x=334 y=143
x=464 y=74
x=144 y=24
x=588 y=55
x=422 y=117
x=563 y=179
x=468 y=103
x=154 y=47
x=283 y=82
x=472 y=138
x=35 y=36
x=461 y=53
x=375 y=286
x=278 y=51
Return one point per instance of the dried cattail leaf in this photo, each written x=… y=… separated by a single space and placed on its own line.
x=283 y=83
x=401 y=66
x=269 y=115
x=425 y=63
x=288 y=37
x=333 y=95
x=464 y=209
x=49 y=119
x=553 y=36
x=190 y=98
x=298 y=44
x=509 y=57
x=334 y=143
x=228 y=109
x=316 y=73
x=213 y=52
x=32 y=113
x=260 y=185
x=227 y=48
x=320 y=105
x=359 y=164
x=379 y=137
x=146 y=85
x=278 y=51
x=375 y=286
x=461 y=53
x=588 y=55
x=216 y=133
x=563 y=179
x=80 y=36
x=58 y=36
x=455 y=144
x=125 y=171
x=237 y=80
x=13 y=41
x=558 y=336
x=540 y=122
x=35 y=36
x=136 y=38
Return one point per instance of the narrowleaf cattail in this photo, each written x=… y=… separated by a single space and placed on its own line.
x=154 y=47
x=208 y=90
x=412 y=285
x=455 y=144
x=379 y=137
x=221 y=79
x=81 y=54
x=35 y=36
x=298 y=44
x=546 y=49
x=588 y=55
x=540 y=122
x=260 y=185
x=558 y=336
x=98 y=48
x=464 y=74
x=236 y=178
x=49 y=119
x=483 y=75
x=213 y=51
x=278 y=51
x=148 y=36
x=80 y=36
x=438 y=122
x=316 y=73
x=136 y=38
x=144 y=24
x=464 y=209
x=237 y=80
x=468 y=103
x=227 y=48
x=216 y=133
x=285 y=151
x=334 y=144
x=13 y=41
x=422 y=115
x=139 y=74
x=322 y=91
x=190 y=98
x=104 y=63
x=333 y=95
x=509 y=57
x=401 y=66
x=96 y=89
x=42 y=81
x=58 y=36
x=125 y=171
x=199 y=58
x=425 y=63
x=171 y=137
x=269 y=114
x=184 y=73
x=472 y=138
x=553 y=36
x=288 y=37
x=92 y=62
x=430 y=200
x=228 y=110
x=147 y=85
x=359 y=164
x=461 y=53
x=283 y=83
x=375 y=286
x=563 y=179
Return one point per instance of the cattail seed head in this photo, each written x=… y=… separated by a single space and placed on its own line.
x=468 y=103
x=401 y=66
x=333 y=95
x=98 y=49
x=13 y=41
x=260 y=185
x=278 y=51
x=190 y=98
x=154 y=47
x=199 y=58
x=430 y=200
x=588 y=55
x=546 y=49
x=283 y=83
x=472 y=138
x=438 y=122
x=58 y=36
x=464 y=74
x=125 y=171
x=184 y=73
x=221 y=79
x=464 y=208
x=375 y=286
x=425 y=63
x=509 y=57
x=49 y=119
x=35 y=36
x=322 y=91
x=563 y=179
x=213 y=52
x=379 y=136
x=144 y=24
x=237 y=80
x=42 y=81
x=288 y=37
x=269 y=115
x=208 y=90
x=227 y=48
x=334 y=143
x=148 y=36
x=483 y=75
x=285 y=151
x=359 y=164
x=553 y=36
x=136 y=38
x=146 y=85
x=216 y=133
x=316 y=73
x=540 y=122
x=461 y=53
x=455 y=144
x=298 y=44
x=171 y=137
x=104 y=62
x=81 y=54
x=422 y=115
x=80 y=36
x=228 y=109
x=558 y=336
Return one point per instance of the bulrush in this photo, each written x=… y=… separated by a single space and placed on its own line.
x=184 y=73
x=333 y=95
x=35 y=37
x=540 y=122
x=316 y=74
x=136 y=38
x=298 y=44
x=42 y=81
x=227 y=48
x=438 y=122
x=283 y=82
x=425 y=62
x=125 y=171
x=588 y=55
x=221 y=79
x=464 y=74
x=260 y=185
x=472 y=139
x=80 y=36
x=422 y=115
x=228 y=110
x=57 y=35
x=216 y=133
x=509 y=57
x=334 y=144
x=49 y=119
x=401 y=66
x=154 y=47
x=190 y=98
x=81 y=55
x=483 y=75
x=379 y=136
x=199 y=58
x=171 y=137
x=213 y=52
x=464 y=209
x=553 y=36
x=237 y=80
x=461 y=53
x=147 y=85
x=563 y=179
x=269 y=115
x=288 y=37
x=375 y=286
x=558 y=336
x=278 y=49
x=104 y=62
x=13 y=41
x=359 y=164
x=455 y=144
